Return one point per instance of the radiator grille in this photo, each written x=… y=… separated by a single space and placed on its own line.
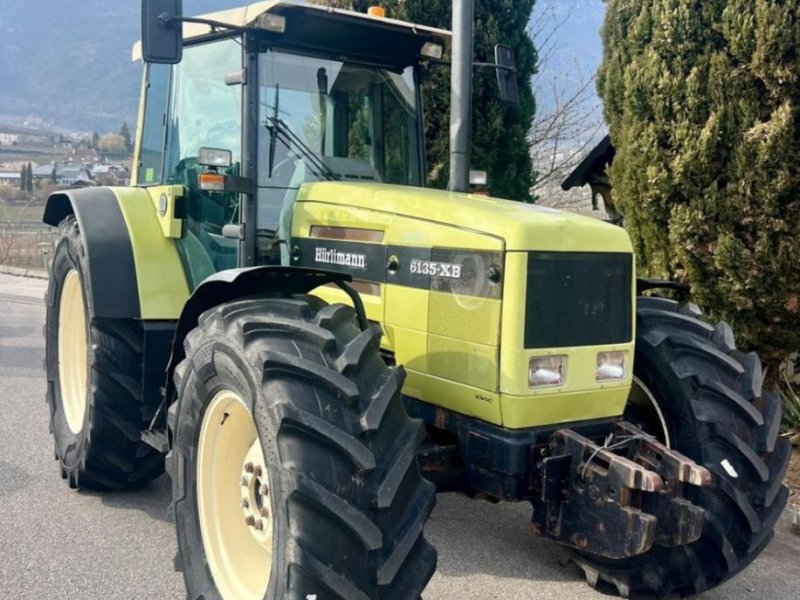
x=578 y=299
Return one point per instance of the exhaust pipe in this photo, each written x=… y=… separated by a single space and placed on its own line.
x=461 y=94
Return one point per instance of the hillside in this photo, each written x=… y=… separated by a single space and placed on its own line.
x=71 y=65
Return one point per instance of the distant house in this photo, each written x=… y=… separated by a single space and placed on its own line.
x=10 y=178
x=111 y=174
x=593 y=171
x=8 y=139
x=45 y=172
x=66 y=174
x=74 y=174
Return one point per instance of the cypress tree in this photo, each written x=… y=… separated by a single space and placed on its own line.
x=703 y=105
x=29 y=178
x=500 y=142
x=23 y=175
x=126 y=135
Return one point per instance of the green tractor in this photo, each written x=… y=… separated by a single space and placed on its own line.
x=313 y=344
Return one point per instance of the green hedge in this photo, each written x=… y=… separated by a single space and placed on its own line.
x=703 y=104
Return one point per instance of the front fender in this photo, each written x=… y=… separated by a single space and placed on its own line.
x=135 y=270
x=111 y=268
x=233 y=284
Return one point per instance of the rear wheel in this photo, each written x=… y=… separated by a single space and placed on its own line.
x=699 y=394
x=93 y=381
x=294 y=462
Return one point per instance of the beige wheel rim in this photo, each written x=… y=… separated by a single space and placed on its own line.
x=641 y=396
x=233 y=499
x=73 y=370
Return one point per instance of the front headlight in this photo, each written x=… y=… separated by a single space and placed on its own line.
x=547 y=371
x=612 y=366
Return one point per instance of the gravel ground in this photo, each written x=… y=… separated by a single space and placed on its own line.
x=56 y=543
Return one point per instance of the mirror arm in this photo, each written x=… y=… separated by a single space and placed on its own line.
x=444 y=63
x=495 y=66
x=171 y=20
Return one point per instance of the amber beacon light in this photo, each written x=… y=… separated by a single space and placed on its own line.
x=376 y=11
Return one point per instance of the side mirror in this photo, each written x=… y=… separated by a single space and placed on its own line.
x=506 y=67
x=162 y=33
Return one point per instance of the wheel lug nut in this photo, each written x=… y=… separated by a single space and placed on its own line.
x=259 y=525
x=265 y=490
x=257 y=471
x=245 y=483
x=245 y=503
x=265 y=512
x=248 y=468
x=250 y=521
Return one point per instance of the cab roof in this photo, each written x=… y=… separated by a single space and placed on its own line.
x=247 y=16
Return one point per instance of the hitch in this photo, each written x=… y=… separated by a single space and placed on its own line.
x=618 y=499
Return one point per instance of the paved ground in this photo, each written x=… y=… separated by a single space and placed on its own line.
x=55 y=543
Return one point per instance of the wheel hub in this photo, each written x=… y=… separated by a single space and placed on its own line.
x=255 y=495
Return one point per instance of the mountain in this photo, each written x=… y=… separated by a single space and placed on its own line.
x=69 y=62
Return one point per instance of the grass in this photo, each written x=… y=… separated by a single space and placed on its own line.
x=791 y=410
x=10 y=213
x=22 y=242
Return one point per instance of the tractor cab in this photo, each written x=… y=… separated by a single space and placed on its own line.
x=266 y=98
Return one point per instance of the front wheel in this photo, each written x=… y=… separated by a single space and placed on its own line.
x=94 y=382
x=294 y=462
x=702 y=397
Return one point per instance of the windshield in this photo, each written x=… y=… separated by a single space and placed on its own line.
x=359 y=121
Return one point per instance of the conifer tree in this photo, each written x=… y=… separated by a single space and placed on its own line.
x=125 y=132
x=703 y=104
x=29 y=178
x=500 y=142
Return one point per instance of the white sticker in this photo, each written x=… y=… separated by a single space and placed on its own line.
x=729 y=469
x=311 y=597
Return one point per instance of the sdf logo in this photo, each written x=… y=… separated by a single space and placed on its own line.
x=343 y=259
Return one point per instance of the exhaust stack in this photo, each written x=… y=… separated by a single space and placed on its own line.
x=461 y=94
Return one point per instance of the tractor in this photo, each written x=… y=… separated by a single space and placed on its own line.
x=312 y=344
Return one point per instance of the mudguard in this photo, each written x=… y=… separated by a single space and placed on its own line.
x=134 y=270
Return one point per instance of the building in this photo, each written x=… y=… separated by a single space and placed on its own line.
x=10 y=178
x=116 y=175
x=74 y=175
x=8 y=139
x=65 y=174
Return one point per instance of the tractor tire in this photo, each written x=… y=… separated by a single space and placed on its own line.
x=294 y=461
x=708 y=402
x=94 y=387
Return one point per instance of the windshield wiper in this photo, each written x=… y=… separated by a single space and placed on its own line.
x=278 y=129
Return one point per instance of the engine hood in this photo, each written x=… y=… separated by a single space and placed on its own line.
x=521 y=226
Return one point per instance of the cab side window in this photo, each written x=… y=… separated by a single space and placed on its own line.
x=154 y=125
x=204 y=112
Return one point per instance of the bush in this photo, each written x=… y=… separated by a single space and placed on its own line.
x=789 y=388
x=703 y=105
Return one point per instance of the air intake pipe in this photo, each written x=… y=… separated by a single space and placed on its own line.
x=461 y=94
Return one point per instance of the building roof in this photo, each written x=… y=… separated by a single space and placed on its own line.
x=246 y=16
x=591 y=169
x=44 y=170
